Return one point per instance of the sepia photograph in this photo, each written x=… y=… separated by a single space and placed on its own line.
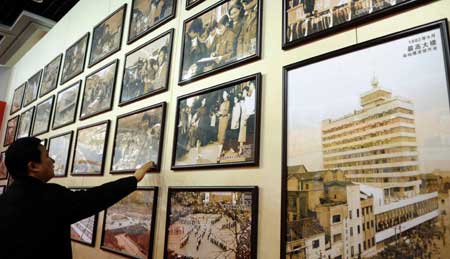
x=98 y=95
x=147 y=69
x=138 y=139
x=223 y=36
x=32 y=88
x=107 y=36
x=59 y=150
x=43 y=115
x=90 y=149
x=147 y=15
x=16 y=103
x=369 y=151
x=211 y=222
x=66 y=105
x=219 y=126
x=192 y=3
x=3 y=170
x=10 y=133
x=84 y=231
x=75 y=59
x=129 y=225
x=26 y=119
x=50 y=76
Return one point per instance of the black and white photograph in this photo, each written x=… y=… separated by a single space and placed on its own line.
x=192 y=3
x=59 y=150
x=25 y=122
x=3 y=170
x=219 y=126
x=32 y=88
x=66 y=105
x=16 y=103
x=11 y=129
x=43 y=116
x=223 y=36
x=50 y=76
x=147 y=69
x=85 y=230
x=75 y=59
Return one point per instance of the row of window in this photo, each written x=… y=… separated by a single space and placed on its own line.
x=373 y=162
x=369 y=144
x=381 y=151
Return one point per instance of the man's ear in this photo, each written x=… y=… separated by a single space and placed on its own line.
x=31 y=166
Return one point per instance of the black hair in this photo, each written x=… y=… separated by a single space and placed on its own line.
x=20 y=153
x=163 y=49
x=196 y=26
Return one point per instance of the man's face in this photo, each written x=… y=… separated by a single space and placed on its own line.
x=44 y=169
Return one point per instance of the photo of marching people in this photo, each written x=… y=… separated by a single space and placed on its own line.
x=224 y=34
x=147 y=69
x=3 y=169
x=207 y=223
x=32 y=88
x=99 y=91
x=59 y=150
x=25 y=123
x=74 y=59
x=191 y=3
x=42 y=118
x=66 y=105
x=11 y=128
x=90 y=147
x=147 y=15
x=138 y=139
x=129 y=225
x=50 y=76
x=84 y=231
x=17 y=99
x=219 y=126
x=107 y=36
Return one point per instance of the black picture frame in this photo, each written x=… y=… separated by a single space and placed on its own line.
x=94 y=227
x=257 y=78
x=225 y=66
x=54 y=64
x=133 y=38
x=153 y=189
x=97 y=42
x=3 y=166
x=33 y=91
x=16 y=103
x=103 y=153
x=58 y=112
x=254 y=190
x=68 y=56
x=440 y=24
x=8 y=132
x=189 y=6
x=59 y=152
x=156 y=91
x=51 y=99
x=30 y=110
x=157 y=168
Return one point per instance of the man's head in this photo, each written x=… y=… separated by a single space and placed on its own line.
x=27 y=157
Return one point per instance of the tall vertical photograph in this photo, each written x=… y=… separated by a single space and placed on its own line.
x=50 y=76
x=41 y=123
x=75 y=59
x=66 y=105
x=59 y=150
x=11 y=129
x=85 y=230
x=25 y=123
x=16 y=103
x=32 y=89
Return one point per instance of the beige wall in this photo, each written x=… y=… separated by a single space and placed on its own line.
x=267 y=176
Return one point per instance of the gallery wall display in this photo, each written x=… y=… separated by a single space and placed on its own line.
x=66 y=105
x=211 y=222
x=90 y=149
x=84 y=231
x=192 y=3
x=75 y=59
x=43 y=116
x=131 y=221
x=59 y=150
x=98 y=95
x=3 y=170
x=146 y=16
x=17 y=98
x=223 y=36
x=219 y=126
x=11 y=129
x=32 y=88
x=107 y=36
x=138 y=139
x=51 y=75
x=26 y=119
x=147 y=69
x=372 y=134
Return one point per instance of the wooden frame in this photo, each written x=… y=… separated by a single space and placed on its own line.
x=189 y=6
x=2 y=164
x=18 y=93
x=58 y=99
x=14 y=133
x=52 y=100
x=69 y=149
x=81 y=65
x=37 y=76
x=94 y=232
x=54 y=84
x=20 y=123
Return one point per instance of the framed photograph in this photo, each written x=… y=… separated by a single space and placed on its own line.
x=17 y=99
x=211 y=222
x=219 y=126
x=90 y=149
x=98 y=95
x=221 y=37
x=32 y=88
x=50 y=76
x=146 y=16
x=66 y=106
x=3 y=169
x=147 y=69
x=107 y=36
x=11 y=129
x=191 y=3
x=43 y=115
x=2 y=189
x=26 y=119
x=84 y=231
x=369 y=142
x=59 y=149
x=129 y=225
x=75 y=59
x=138 y=139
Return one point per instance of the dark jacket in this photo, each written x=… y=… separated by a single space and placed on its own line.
x=35 y=217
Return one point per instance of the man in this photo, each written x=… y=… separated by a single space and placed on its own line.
x=35 y=216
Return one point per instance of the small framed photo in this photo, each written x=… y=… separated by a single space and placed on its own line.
x=211 y=222
x=66 y=106
x=84 y=231
x=192 y=3
x=219 y=126
x=224 y=36
x=11 y=129
x=3 y=169
x=50 y=76
x=59 y=149
x=138 y=139
x=98 y=95
x=90 y=149
x=75 y=59
x=32 y=88
x=43 y=116
x=26 y=119
x=147 y=69
x=17 y=99
x=129 y=225
x=146 y=16
x=107 y=36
